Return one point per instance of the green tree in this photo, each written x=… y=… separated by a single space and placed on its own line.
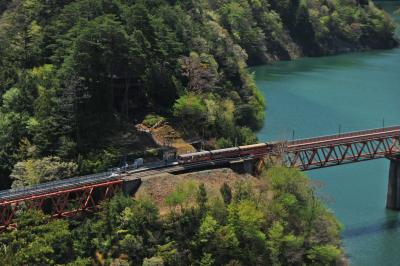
x=36 y=171
x=37 y=241
x=100 y=55
x=191 y=111
x=226 y=193
x=202 y=198
x=207 y=260
x=153 y=261
x=324 y=254
x=182 y=196
x=201 y=72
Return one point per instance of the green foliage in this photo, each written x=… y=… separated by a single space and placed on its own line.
x=292 y=228
x=97 y=162
x=37 y=242
x=207 y=229
x=201 y=72
x=324 y=254
x=74 y=73
x=223 y=143
x=190 y=111
x=243 y=191
x=245 y=136
x=207 y=260
x=36 y=171
x=338 y=26
x=152 y=120
x=226 y=193
x=202 y=198
x=182 y=196
x=153 y=261
x=70 y=78
x=296 y=210
x=168 y=253
x=81 y=262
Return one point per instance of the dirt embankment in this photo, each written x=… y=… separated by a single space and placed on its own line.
x=166 y=136
x=157 y=188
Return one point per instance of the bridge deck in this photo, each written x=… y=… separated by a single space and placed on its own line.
x=306 y=154
x=12 y=195
x=70 y=183
x=303 y=144
x=351 y=137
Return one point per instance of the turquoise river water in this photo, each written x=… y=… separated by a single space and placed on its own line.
x=316 y=96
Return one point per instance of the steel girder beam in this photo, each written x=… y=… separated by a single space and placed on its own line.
x=63 y=203
x=322 y=156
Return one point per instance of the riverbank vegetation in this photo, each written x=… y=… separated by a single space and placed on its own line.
x=77 y=74
x=279 y=221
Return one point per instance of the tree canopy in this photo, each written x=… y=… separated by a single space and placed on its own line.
x=243 y=225
x=73 y=73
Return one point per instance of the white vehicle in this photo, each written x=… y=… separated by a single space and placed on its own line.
x=114 y=174
x=138 y=163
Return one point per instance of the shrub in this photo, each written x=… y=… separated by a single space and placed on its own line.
x=152 y=119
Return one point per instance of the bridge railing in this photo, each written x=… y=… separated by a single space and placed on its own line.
x=345 y=135
x=15 y=193
x=100 y=177
x=68 y=182
x=54 y=185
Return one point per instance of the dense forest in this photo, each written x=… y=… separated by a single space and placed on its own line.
x=240 y=226
x=75 y=73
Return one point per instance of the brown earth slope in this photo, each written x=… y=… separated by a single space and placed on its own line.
x=165 y=135
x=157 y=188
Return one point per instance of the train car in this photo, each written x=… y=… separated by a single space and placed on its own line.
x=254 y=149
x=194 y=157
x=225 y=153
x=275 y=147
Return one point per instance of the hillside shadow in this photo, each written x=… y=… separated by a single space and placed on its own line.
x=391 y=223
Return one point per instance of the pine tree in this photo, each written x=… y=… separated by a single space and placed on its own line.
x=202 y=198
x=226 y=193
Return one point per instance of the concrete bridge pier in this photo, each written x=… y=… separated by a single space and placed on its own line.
x=131 y=185
x=393 y=193
x=242 y=166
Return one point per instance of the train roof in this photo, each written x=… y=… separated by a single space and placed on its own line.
x=258 y=145
x=194 y=154
x=225 y=150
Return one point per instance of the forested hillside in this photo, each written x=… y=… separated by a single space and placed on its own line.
x=74 y=73
x=77 y=75
x=242 y=225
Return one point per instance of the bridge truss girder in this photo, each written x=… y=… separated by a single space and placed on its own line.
x=63 y=203
x=341 y=153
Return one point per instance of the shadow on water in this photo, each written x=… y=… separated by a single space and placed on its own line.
x=391 y=222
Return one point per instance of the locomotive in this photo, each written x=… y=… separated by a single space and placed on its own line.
x=254 y=150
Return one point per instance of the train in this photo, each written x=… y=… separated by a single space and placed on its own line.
x=254 y=150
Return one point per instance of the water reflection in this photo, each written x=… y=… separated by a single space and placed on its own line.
x=391 y=223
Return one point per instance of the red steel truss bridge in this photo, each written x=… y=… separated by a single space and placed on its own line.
x=69 y=197
x=60 y=198
x=314 y=153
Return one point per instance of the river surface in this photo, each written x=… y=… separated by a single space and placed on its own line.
x=317 y=96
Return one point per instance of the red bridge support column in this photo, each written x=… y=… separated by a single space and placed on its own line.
x=393 y=193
